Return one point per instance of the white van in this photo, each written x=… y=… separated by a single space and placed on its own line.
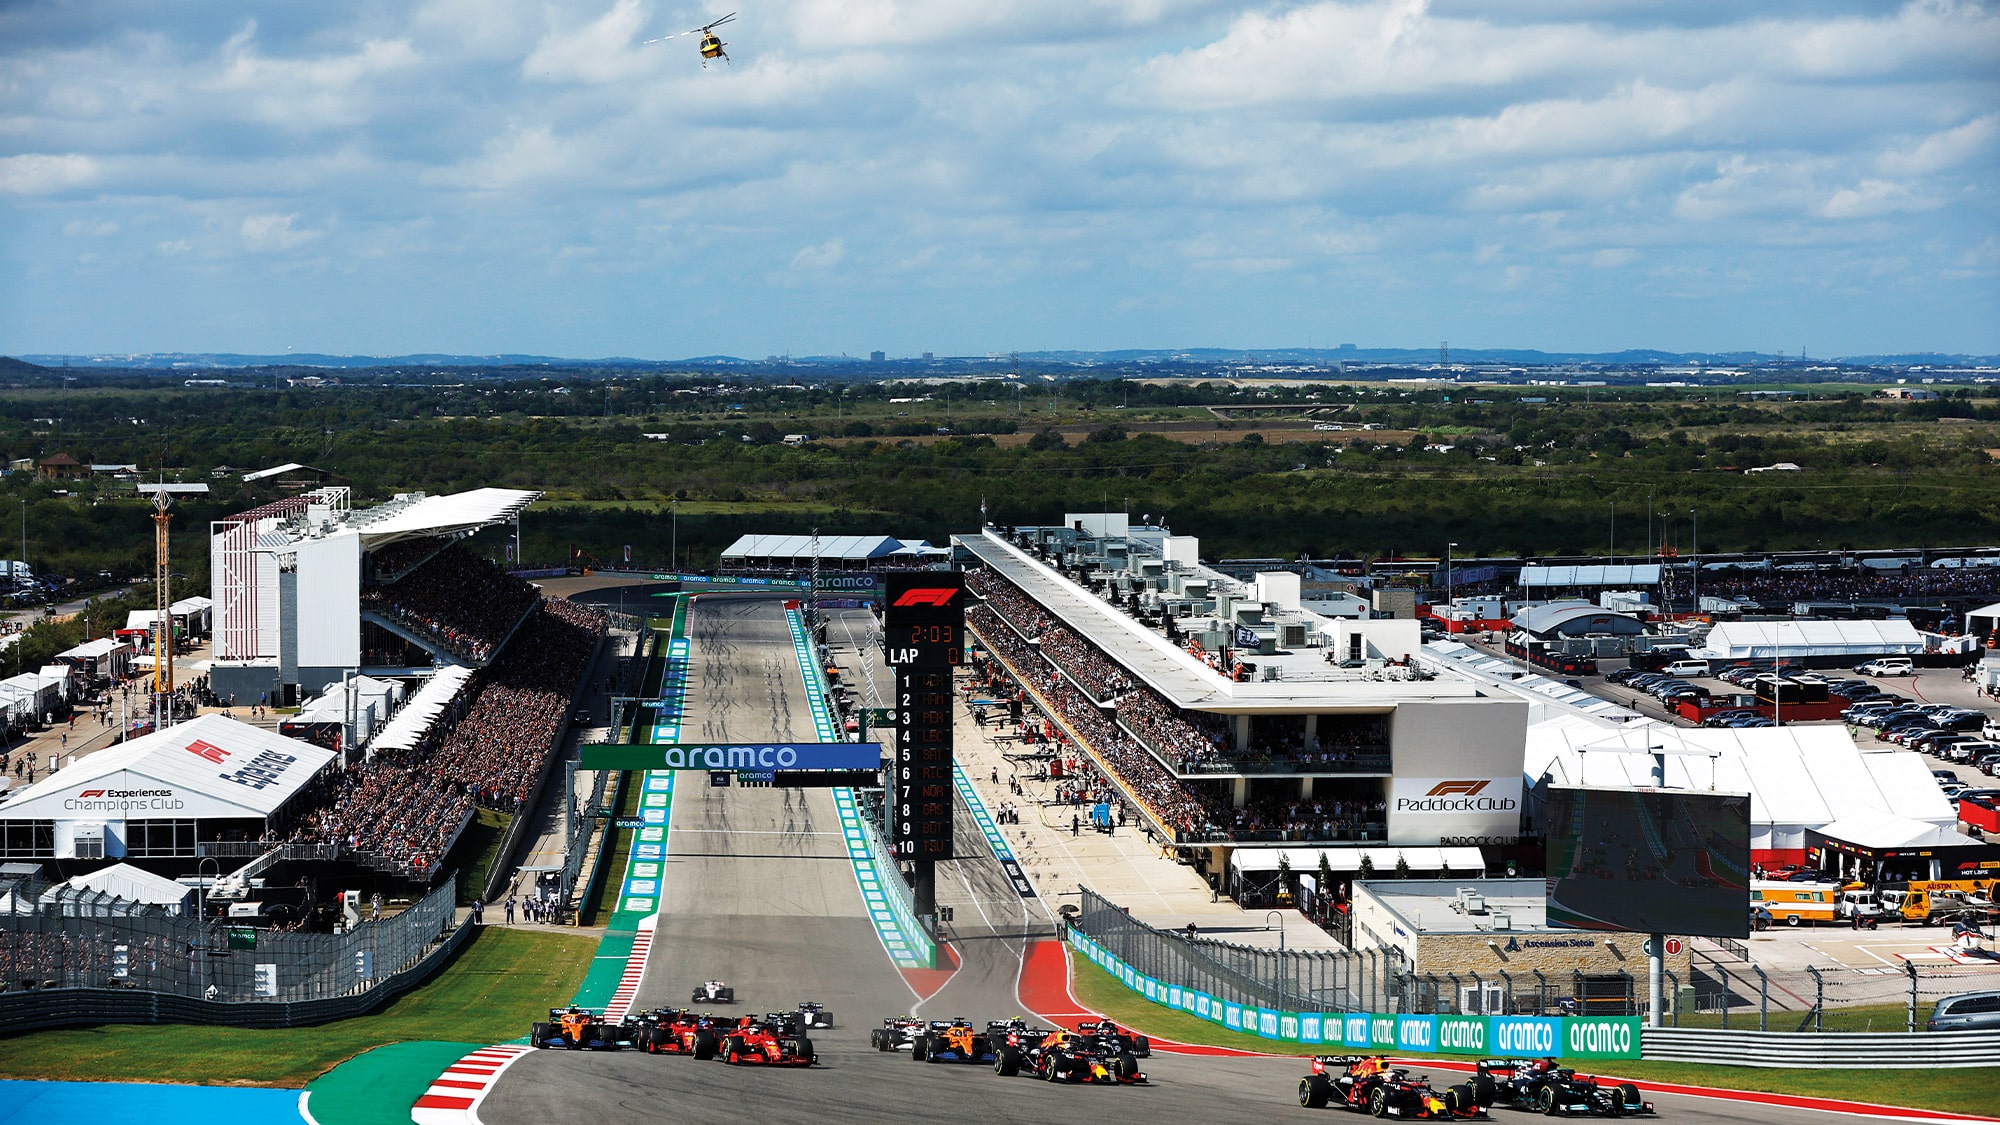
x=1687 y=668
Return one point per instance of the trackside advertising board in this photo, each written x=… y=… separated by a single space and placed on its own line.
x=1571 y=1037
x=724 y=756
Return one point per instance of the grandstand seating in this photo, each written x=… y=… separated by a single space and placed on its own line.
x=457 y=600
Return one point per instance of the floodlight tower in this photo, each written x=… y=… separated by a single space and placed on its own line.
x=163 y=618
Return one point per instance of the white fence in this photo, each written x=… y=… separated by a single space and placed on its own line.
x=1827 y=1049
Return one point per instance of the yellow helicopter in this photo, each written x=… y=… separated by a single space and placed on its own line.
x=711 y=43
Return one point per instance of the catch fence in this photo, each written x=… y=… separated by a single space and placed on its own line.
x=88 y=940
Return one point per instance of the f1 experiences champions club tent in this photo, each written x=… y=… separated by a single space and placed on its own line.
x=154 y=796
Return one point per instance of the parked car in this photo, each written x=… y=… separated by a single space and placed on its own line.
x=1967 y=1011
x=1891 y=666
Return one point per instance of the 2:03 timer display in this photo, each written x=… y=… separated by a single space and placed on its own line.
x=925 y=644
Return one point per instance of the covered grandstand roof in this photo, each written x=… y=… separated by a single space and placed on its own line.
x=1798 y=777
x=1754 y=640
x=1575 y=619
x=211 y=766
x=1547 y=697
x=834 y=549
x=443 y=515
x=1614 y=577
x=418 y=715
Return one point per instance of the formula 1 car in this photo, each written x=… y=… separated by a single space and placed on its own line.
x=578 y=1029
x=676 y=1031
x=1072 y=1056
x=813 y=1014
x=1130 y=1040
x=1369 y=1082
x=954 y=1040
x=897 y=1033
x=754 y=1042
x=714 y=992
x=1542 y=1086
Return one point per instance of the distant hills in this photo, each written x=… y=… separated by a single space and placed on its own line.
x=198 y=362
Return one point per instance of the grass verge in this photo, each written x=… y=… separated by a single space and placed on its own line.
x=611 y=867
x=1969 y=1090
x=490 y=992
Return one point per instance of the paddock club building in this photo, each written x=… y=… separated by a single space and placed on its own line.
x=211 y=786
x=1434 y=756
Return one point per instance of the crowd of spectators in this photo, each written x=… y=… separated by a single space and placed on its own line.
x=458 y=599
x=1861 y=585
x=486 y=750
x=387 y=563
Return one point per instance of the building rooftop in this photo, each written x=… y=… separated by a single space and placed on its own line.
x=1433 y=906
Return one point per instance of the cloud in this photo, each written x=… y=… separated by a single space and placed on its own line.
x=1944 y=150
x=266 y=234
x=598 y=52
x=1870 y=198
x=825 y=256
x=86 y=228
x=38 y=173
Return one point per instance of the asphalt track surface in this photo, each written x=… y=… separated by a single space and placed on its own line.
x=758 y=892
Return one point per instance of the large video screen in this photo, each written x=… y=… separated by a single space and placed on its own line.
x=1656 y=861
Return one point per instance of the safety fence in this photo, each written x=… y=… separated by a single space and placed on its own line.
x=1582 y=1037
x=120 y=946
x=1780 y=1049
x=1369 y=980
x=1726 y=993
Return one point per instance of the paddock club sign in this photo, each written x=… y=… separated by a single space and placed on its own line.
x=1570 y=1037
x=761 y=757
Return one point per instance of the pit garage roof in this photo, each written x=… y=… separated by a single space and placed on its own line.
x=1753 y=640
x=1617 y=577
x=835 y=549
x=1798 y=777
x=210 y=766
x=1165 y=668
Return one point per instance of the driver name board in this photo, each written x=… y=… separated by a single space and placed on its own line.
x=924 y=628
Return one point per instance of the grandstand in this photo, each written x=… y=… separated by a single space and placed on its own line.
x=307 y=589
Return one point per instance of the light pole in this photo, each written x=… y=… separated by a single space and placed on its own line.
x=1448 y=548
x=1694 y=544
x=674 y=543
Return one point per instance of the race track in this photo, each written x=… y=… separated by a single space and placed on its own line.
x=758 y=891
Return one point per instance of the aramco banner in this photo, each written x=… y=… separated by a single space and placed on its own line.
x=731 y=756
x=1570 y=1037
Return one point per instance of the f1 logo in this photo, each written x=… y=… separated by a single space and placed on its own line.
x=925 y=596
x=1463 y=788
x=91 y=793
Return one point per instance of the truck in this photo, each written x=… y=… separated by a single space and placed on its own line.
x=1861 y=907
x=1916 y=904
x=16 y=573
x=1796 y=903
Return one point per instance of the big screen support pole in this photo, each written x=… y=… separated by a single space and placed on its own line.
x=1656 y=943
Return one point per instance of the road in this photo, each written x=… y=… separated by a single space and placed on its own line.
x=758 y=892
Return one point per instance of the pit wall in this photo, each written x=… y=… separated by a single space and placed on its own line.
x=1573 y=1037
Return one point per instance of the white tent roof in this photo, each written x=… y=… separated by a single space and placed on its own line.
x=140 y=619
x=442 y=515
x=211 y=766
x=92 y=650
x=1884 y=830
x=273 y=471
x=836 y=548
x=1800 y=776
x=1752 y=640
x=134 y=883
x=190 y=605
x=1305 y=861
x=1624 y=575
x=423 y=708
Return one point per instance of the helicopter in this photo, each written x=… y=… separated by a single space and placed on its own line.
x=711 y=43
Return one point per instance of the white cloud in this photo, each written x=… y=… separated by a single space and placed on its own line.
x=600 y=51
x=1944 y=150
x=824 y=256
x=267 y=234
x=308 y=91
x=1870 y=198
x=37 y=173
x=87 y=228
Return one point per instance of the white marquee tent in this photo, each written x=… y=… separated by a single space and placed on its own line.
x=1800 y=640
x=1798 y=777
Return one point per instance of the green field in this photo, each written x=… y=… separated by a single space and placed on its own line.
x=1969 y=1090
x=498 y=984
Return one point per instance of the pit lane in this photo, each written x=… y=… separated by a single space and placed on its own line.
x=758 y=892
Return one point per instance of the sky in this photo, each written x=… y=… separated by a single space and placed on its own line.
x=384 y=177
